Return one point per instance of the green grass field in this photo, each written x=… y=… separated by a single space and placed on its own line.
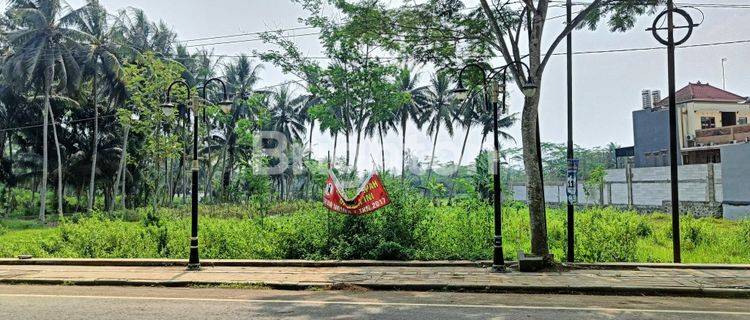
x=411 y=228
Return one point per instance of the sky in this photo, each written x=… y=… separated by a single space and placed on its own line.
x=607 y=87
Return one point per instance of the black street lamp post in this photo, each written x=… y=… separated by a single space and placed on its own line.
x=498 y=259
x=194 y=260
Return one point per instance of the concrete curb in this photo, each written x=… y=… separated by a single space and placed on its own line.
x=419 y=287
x=345 y=263
x=635 y=266
x=239 y=263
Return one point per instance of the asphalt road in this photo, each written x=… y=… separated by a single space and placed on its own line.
x=108 y=303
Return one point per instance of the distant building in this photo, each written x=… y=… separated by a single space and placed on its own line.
x=708 y=118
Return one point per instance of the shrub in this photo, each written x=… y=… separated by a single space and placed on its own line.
x=607 y=235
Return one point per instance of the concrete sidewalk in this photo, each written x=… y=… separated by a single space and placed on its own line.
x=634 y=281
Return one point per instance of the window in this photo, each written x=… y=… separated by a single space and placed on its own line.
x=708 y=122
x=742 y=120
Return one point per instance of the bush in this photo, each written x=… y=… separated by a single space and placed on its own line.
x=412 y=227
x=607 y=235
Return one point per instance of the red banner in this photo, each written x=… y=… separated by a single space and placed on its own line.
x=371 y=196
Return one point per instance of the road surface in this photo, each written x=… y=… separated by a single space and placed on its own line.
x=109 y=303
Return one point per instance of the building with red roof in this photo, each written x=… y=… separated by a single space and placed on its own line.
x=708 y=118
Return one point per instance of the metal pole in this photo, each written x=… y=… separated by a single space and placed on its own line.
x=194 y=262
x=498 y=259
x=571 y=207
x=723 y=74
x=673 y=134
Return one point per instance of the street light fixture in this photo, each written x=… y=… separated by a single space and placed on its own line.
x=462 y=94
x=169 y=108
x=529 y=89
x=498 y=87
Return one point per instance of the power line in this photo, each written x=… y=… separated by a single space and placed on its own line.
x=584 y=52
x=249 y=40
x=237 y=35
x=54 y=123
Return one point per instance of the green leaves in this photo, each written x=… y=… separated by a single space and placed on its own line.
x=147 y=80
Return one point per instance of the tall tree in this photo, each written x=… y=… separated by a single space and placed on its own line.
x=413 y=109
x=440 y=113
x=100 y=59
x=241 y=75
x=139 y=35
x=379 y=122
x=285 y=114
x=43 y=50
x=444 y=32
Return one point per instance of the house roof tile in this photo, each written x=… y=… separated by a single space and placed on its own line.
x=702 y=92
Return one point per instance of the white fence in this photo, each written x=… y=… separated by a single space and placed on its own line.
x=642 y=187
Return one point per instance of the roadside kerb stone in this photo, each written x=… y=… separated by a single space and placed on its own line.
x=646 y=281
x=348 y=263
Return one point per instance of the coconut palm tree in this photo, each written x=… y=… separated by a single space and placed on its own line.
x=440 y=112
x=473 y=112
x=286 y=117
x=304 y=114
x=411 y=110
x=380 y=122
x=138 y=34
x=42 y=51
x=503 y=122
x=241 y=75
x=100 y=58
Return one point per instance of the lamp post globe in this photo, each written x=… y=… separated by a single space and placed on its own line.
x=168 y=109
x=529 y=89
x=460 y=92
x=227 y=106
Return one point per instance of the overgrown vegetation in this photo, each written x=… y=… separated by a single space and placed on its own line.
x=411 y=228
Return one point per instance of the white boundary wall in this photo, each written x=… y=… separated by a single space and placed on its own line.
x=646 y=187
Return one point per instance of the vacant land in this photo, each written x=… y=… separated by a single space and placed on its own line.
x=304 y=230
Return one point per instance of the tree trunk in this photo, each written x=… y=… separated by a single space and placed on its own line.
x=531 y=155
x=481 y=145
x=49 y=74
x=121 y=168
x=183 y=184
x=108 y=198
x=335 y=144
x=382 y=148
x=59 y=165
x=223 y=171
x=356 y=154
x=123 y=191
x=458 y=165
x=213 y=173
x=347 y=147
x=209 y=166
x=403 y=148
x=309 y=144
x=94 y=147
x=231 y=158
x=10 y=198
x=432 y=158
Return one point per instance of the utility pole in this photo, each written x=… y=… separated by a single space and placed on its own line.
x=723 y=74
x=673 y=135
x=571 y=204
x=670 y=43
